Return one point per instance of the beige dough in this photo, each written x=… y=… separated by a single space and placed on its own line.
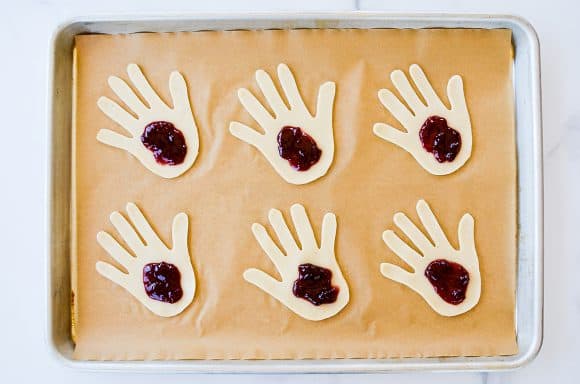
x=413 y=117
x=180 y=115
x=319 y=126
x=433 y=247
x=288 y=259
x=149 y=250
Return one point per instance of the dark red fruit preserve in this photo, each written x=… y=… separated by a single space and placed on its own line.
x=162 y=282
x=165 y=141
x=440 y=139
x=313 y=284
x=298 y=148
x=449 y=279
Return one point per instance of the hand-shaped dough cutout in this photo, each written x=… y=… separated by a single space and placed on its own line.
x=447 y=278
x=164 y=139
x=439 y=138
x=315 y=302
x=161 y=278
x=299 y=146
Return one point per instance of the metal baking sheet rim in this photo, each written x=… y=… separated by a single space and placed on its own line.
x=529 y=293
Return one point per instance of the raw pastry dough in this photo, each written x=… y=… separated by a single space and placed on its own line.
x=413 y=117
x=435 y=248
x=319 y=126
x=292 y=255
x=180 y=115
x=148 y=250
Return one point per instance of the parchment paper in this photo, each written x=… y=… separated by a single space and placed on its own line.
x=231 y=186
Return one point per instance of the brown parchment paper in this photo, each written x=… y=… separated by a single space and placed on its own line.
x=231 y=186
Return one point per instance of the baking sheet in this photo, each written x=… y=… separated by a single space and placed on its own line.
x=383 y=319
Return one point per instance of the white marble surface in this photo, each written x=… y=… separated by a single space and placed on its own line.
x=26 y=28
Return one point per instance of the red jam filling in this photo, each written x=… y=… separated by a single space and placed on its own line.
x=165 y=141
x=440 y=139
x=298 y=148
x=162 y=282
x=313 y=284
x=449 y=280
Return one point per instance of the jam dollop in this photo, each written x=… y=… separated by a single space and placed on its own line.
x=162 y=282
x=440 y=139
x=298 y=148
x=165 y=141
x=313 y=284
x=449 y=280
